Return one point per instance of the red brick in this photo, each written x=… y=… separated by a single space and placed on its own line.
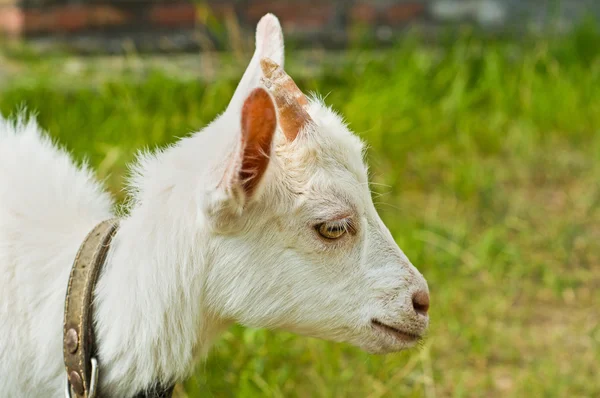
x=37 y=21
x=403 y=12
x=365 y=13
x=293 y=15
x=72 y=18
x=221 y=9
x=175 y=15
x=105 y=15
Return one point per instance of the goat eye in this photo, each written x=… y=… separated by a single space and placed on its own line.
x=331 y=230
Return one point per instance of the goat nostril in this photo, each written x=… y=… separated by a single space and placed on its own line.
x=420 y=302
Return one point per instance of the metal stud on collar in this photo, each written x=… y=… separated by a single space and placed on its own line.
x=93 y=381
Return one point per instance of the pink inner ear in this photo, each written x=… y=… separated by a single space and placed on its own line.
x=259 y=122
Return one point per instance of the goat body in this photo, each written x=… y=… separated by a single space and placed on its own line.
x=264 y=218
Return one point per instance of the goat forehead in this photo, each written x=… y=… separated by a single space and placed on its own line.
x=332 y=146
x=324 y=162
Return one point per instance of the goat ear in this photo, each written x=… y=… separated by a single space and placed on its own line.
x=259 y=122
x=251 y=157
x=269 y=39
x=247 y=164
x=269 y=43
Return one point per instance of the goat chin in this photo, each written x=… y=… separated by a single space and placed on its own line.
x=241 y=222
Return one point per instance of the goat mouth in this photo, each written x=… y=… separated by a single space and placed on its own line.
x=399 y=334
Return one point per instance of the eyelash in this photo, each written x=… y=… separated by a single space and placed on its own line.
x=344 y=226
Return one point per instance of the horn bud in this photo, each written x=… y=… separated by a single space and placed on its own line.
x=291 y=102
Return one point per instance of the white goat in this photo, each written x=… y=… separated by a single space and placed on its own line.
x=264 y=219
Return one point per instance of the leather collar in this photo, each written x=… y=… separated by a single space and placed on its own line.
x=79 y=346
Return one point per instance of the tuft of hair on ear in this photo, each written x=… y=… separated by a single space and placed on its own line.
x=259 y=122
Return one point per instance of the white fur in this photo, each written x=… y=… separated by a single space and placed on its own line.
x=194 y=254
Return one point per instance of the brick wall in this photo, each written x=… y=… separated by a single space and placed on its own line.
x=210 y=23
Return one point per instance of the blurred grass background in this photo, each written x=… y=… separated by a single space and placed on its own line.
x=485 y=158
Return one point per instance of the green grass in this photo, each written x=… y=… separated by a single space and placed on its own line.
x=489 y=158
